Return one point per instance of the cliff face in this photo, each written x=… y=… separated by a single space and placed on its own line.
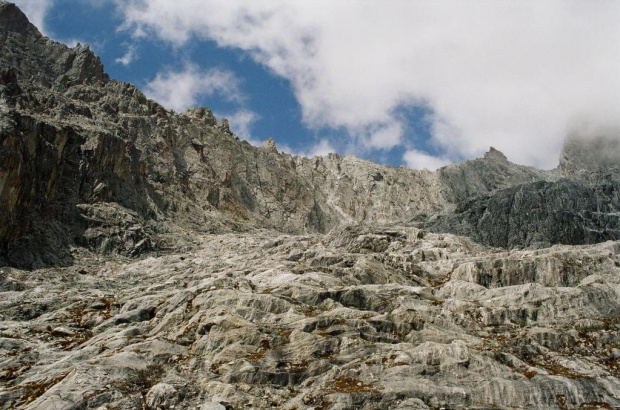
x=90 y=162
x=539 y=215
x=581 y=207
x=150 y=259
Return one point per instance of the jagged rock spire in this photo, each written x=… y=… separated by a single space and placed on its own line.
x=32 y=55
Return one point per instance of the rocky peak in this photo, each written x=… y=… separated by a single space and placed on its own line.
x=224 y=126
x=12 y=19
x=202 y=114
x=270 y=146
x=34 y=56
x=82 y=66
x=495 y=155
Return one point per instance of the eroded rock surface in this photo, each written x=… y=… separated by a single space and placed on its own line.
x=372 y=318
x=150 y=259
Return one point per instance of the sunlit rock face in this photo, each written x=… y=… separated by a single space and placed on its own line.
x=365 y=317
x=150 y=259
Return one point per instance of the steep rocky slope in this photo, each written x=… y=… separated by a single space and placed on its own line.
x=88 y=161
x=582 y=206
x=150 y=259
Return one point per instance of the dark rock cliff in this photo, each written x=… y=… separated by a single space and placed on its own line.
x=581 y=207
x=539 y=214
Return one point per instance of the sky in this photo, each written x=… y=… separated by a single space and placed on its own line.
x=415 y=83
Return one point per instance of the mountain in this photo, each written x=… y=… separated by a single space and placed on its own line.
x=151 y=259
x=91 y=162
x=581 y=207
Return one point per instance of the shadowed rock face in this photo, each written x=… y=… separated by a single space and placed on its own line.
x=539 y=214
x=150 y=259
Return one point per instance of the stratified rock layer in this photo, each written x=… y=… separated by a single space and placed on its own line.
x=360 y=318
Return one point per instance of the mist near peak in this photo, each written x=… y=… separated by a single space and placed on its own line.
x=590 y=146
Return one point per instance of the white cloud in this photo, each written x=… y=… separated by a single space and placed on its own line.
x=507 y=74
x=73 y=42
x=129 y=57
x=183 y=89
x=418 y=160
x=321 y=149
x=385 y=135
x=36 y=11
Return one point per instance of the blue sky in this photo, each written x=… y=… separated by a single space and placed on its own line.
x=276 y=112
x=420 y=84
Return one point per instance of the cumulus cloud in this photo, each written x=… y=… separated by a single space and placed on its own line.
x=320 y=149
x=36 y=10
x=419 y=160
x=507 y=74
x=129 y=57
x=183 y=89
x=382 y=135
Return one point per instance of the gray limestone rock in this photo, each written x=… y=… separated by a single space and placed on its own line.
x=150 y=259
x=101 y=151
x=429 y=320
x=161 y=396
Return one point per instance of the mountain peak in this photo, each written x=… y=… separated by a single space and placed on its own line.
x=32 y=55
x=12 y=19
x=494 y=154
x=270 y=145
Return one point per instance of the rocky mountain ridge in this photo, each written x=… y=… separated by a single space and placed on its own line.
x=150 y=259
x=84 y=155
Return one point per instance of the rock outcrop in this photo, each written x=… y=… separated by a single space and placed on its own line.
x=539 y=214
x=150 y=259
x=598 y=153
x=73 y=142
